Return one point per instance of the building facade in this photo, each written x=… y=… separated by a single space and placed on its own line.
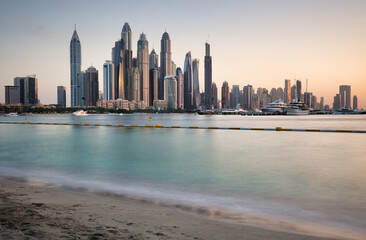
x=188 y=82
x=28 y=89
x=180 y=88
x=355 y=102
x=196 y=87
x=91 y=86
x=108 y=80
x=143 y=66
x=345 y=92
x=165 y=62
x=287 y=91
x=61 y=96
x=225 y=96
x=12 y=95
x=75 y=68
x=208 y=77
x=170 y=91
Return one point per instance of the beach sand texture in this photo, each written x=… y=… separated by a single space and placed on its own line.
x=31 y=210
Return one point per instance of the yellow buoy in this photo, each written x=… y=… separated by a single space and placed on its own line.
x=150 y=119
x=25 y=118
x=75 y=119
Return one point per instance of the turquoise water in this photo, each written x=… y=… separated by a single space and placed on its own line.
x=314 y=181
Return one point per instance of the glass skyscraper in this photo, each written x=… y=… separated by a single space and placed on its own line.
x=75 y=68
x=143 y=66
x=108 y=80
x=188 y=82
x=196 y=87
x=208 y=77
x=165 y=62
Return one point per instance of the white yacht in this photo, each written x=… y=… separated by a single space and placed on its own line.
x=274 y=107
x=12 y=114
x=296 y=108
x=80 y=113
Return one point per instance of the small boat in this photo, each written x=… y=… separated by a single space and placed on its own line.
x=344 y=110
x=296 y=108
x=80 y=113
x=12 y=114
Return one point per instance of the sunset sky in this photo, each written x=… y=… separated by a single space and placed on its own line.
x=261 y=43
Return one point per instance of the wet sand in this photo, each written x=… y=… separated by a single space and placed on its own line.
x=34 y=210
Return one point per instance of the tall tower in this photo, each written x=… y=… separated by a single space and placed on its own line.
x=108 y=80
x=165 y=62
x=225 y=96
x=61 y=96
x=118 y=61
x=345 y=92
x=127 y=41
x=287 y=91
x=75 y=68
x=91 y=86
x=180 y=88
x=143 y=66
x=208 y=77
x=196 y=87
x=188 y=82
x=153 y=59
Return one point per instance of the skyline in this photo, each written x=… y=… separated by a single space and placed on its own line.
x=261 y=47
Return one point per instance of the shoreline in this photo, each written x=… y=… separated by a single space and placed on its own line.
x=40 y=210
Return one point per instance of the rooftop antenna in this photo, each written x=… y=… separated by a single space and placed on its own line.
x=75 y=26
x=208 y=38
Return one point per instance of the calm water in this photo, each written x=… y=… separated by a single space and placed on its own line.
x=316 y=181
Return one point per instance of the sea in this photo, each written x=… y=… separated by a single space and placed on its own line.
x=311 y=182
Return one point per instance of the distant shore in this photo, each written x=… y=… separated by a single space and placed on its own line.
x=38 y=210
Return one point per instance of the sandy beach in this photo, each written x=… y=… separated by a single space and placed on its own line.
x=35 y=210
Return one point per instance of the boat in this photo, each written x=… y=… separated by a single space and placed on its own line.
x=80 y=113
x=344 y=110
x=275 y=107
x=12 y=114
x=296 y=108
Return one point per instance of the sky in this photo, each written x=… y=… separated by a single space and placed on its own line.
x=261 y=43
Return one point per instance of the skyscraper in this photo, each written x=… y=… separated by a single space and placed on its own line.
x=108 y=80
x=196 y=87
x=337 y=102
x=143 y=66
x=174 y=68
x=188 y=82
x=12 y=94
x=225 y=96
x=214 y=96
x=234 y=96
x=307 y=98
x=75 y=68
x=28 y=89
x=208 y=77
x=134 y=90
x=153 y=60
x=180 y=88
x=247 y=96
x=61 y=96
x=170 y=91
x=91 y=86
x=154 y=78
x=287 y=92
x=118 y=61
x=294 y=92
x=298 y=88
x=345 y=92
x=80 y=81
x=355 y=102
x=127 y=41
x=165 y=62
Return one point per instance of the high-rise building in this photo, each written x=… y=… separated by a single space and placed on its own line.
x=345 y=92
x=154 y=78
x=127 y=41
x=91 y=86
x=174 y=68
x=208 y=77
x=307 y=98
x=188 y=82
x=234 y=97
x=298 y=89
x=143 y=66
x=247 y=96
x=314 y=102
x=170 y=91
x=225 y=96
x=75 y=68
x=214 y=100
x=196 y=87
x=165 y=62
x=12 y=94
x=153 y=59
x=294 y=92
x=337 y=102
x=287 y=92
x=255 y=101
x=108 y=80
x=280 y=93
x=28 y=89
x=180 y=88
x=80 y=81
x=118 y=61
x=134 y=91
x=355 y=102
x=61 y=96
x=321 y=104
